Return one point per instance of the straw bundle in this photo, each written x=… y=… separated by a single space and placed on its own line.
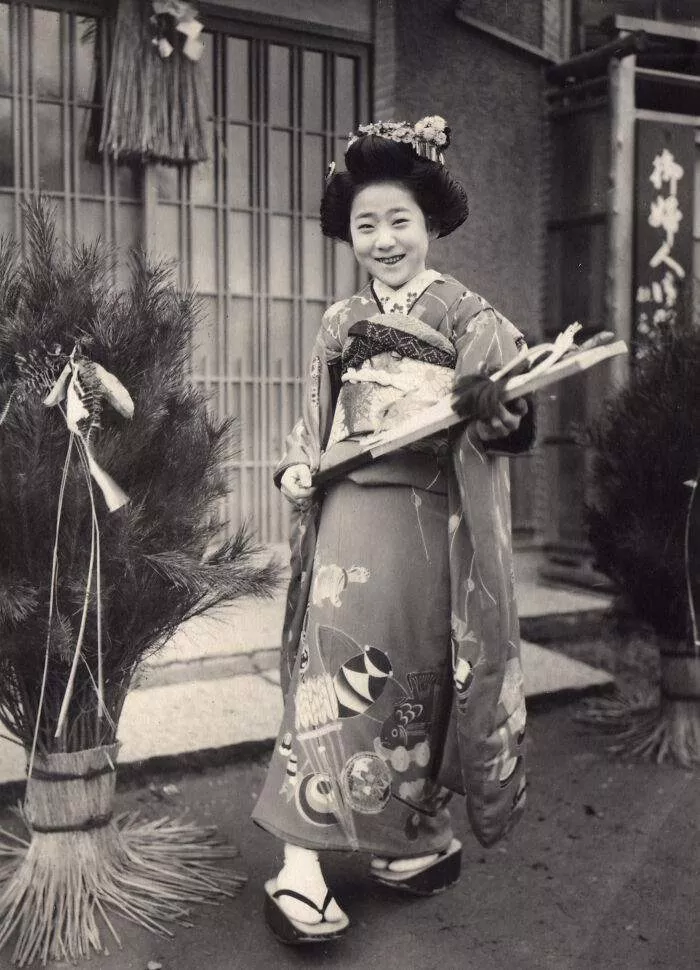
x=647 y=725
x=107 y=503
x=153 y=110
x=645 y=532
x=148 y=872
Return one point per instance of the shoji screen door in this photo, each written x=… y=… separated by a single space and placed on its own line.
x=245 y=228
x=49 y=88
x=242 y=228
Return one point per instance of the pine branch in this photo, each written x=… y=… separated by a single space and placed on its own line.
x=213 y=583
x=17 y=602
x=646 y=445
x=169 y=459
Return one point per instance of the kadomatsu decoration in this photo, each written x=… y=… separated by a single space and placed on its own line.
x=153 y=110
x=110 y=471
x=644 y=531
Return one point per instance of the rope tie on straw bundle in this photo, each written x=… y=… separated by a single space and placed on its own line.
x=39 y=775
x=96 y=822
x=72 y=792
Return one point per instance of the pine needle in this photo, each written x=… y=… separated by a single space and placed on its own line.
x=155 y=572
x=157 y=564
x=645 y=445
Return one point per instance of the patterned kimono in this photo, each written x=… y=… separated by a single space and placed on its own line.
x=400 y=661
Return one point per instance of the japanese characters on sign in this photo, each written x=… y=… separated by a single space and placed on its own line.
x=663 y=230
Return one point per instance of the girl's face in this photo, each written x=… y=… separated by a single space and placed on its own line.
x=389 y=234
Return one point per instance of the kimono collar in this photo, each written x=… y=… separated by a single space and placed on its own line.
x=402 y=299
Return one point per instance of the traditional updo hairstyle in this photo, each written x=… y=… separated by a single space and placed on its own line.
x=374 y=158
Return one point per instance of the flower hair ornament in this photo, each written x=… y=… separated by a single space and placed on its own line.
x=429 y=137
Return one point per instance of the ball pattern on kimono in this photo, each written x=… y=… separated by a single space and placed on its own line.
x=315 y=801
x=366 y=782
x=360 y=681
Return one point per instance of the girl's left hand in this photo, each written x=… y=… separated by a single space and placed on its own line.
x=505 y=422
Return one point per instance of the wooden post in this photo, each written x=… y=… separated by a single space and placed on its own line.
x=621 y=206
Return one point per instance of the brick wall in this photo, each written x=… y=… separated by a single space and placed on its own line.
x=493 y=97
x=384 y=60
x=521 y=18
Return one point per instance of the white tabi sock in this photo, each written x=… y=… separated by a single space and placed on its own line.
x=302 y=873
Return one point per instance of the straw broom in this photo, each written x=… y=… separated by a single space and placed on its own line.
x=87 y=593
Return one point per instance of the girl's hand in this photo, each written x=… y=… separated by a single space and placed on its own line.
x=296 y=486
x=506 y=421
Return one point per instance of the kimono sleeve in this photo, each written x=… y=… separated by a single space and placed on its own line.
x=488 y=717
x=485 y=341
x=304 y=445
x=305 y=442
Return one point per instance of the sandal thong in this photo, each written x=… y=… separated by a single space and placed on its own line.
x=430 y=879
x=294 y=931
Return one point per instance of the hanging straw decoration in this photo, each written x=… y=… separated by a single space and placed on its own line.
x=110 y=472
x=153 y=110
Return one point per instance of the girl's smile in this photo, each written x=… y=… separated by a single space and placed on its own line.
x=390 y=260
x=389 y=235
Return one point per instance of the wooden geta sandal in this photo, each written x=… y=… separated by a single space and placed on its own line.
x=292 y=931
x=430 y=879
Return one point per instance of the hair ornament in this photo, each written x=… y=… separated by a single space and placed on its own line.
x=330 y=171
x=428 y=137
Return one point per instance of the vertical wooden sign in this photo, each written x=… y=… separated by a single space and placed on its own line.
x=663 y=261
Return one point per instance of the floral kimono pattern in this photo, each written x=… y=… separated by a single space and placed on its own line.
x=460 y=716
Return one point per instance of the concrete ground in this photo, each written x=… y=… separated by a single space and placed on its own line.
x=601 y=874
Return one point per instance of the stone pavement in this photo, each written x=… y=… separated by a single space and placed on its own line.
x=215 y=686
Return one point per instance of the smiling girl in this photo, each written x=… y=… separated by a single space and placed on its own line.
x=400 y=665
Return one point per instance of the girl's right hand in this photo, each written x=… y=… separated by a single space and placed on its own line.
x=296 y=486
x=504 y=422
